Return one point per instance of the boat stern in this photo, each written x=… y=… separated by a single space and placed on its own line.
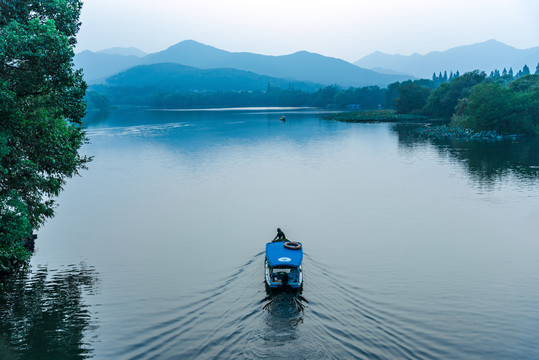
x=284 y=277
x=283 y=265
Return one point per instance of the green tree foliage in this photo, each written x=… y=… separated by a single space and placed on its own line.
x=41 y=108
x=412 y=98
x=526 y=83
x=442 y=101
x=491 y=106
x=529 y=87
x=525 y=71
x=392 y=94
x=369 y=97
x=324 y=96
x=437 y=80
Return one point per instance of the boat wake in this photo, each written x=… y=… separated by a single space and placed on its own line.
x=238 y=319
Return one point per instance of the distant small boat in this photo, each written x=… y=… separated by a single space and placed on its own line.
x=283 y=118
x=283 y=265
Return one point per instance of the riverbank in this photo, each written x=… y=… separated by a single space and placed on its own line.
x=435 y=129
x=373 y=116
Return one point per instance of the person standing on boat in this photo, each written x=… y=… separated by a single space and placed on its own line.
x=280 y=235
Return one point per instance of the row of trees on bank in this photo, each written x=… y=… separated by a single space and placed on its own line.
x=369 y=97
x=476 y=101
x=510 y=75
x=507 y=75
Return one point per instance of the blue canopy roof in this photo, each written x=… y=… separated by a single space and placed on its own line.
x=277 y=255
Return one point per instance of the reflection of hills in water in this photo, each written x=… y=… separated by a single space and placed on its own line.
x=487 y=162
x=43 y=314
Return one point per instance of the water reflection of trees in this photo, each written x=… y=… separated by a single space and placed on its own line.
x=43 y=314
x=487 y=162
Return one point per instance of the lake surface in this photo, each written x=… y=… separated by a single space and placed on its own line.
x=414 y=248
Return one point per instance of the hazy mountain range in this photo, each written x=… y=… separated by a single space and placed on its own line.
x=97 y=66
x=232 y=71
x=486 y=56
x=302 y=67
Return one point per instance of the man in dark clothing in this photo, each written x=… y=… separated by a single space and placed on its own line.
x=280 y=235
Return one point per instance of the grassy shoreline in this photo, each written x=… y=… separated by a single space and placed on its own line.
x=439 y=129
x=373 y=116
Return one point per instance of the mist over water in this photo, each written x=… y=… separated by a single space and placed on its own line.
x=413 y=248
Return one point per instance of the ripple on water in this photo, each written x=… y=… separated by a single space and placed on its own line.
x=238 y=319
x=44 y=314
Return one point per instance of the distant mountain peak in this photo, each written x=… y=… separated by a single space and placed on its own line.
x=486 y=56
x=190 y=41
x=302 y=66
x=188 y=50
x=304 y=54
x=187 y=43
x=190 y=44
x=124 y=51
x=493 y=41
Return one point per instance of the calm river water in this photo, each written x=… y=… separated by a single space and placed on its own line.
x=414 y=249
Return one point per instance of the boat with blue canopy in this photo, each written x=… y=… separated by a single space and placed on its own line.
x=283 y=264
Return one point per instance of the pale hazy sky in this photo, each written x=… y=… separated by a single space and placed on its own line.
x=346 y=29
